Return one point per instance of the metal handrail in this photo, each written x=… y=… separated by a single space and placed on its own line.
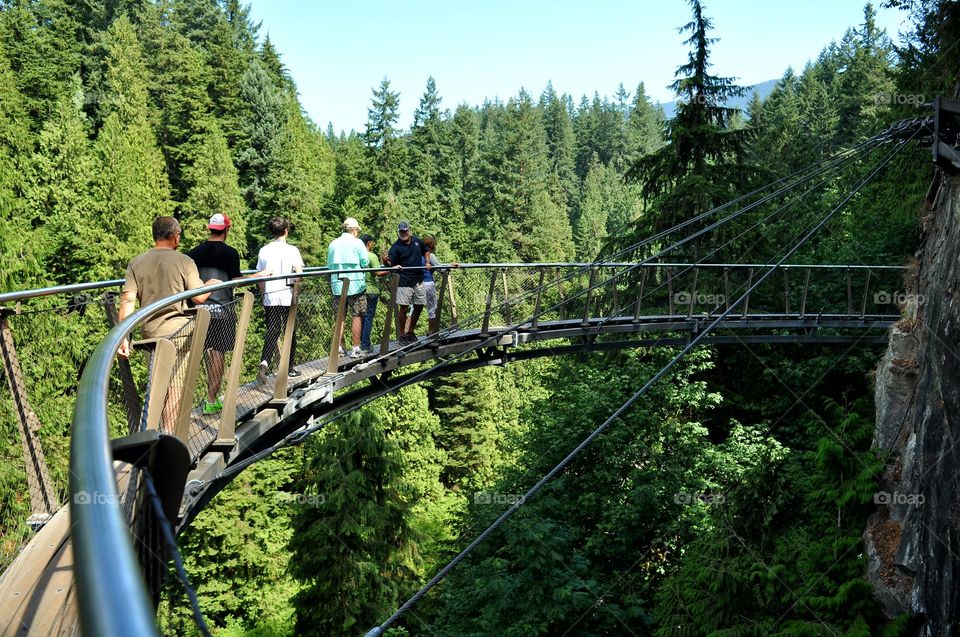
x=109 y=580
x=20 y=295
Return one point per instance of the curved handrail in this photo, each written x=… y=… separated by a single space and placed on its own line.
x=108 y=580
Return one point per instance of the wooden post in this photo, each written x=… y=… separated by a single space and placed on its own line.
x=443 y=290
x=586 y=306
x=391 y=311
x=508 y=314
x=643 y=281
x=283 y=367
x=201 y=324
x=228 y=417
x=486 y=314
x=536 y=303
x=333 y=362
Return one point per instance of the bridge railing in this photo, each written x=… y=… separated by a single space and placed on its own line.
x=161 y=389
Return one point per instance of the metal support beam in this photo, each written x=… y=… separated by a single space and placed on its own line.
x=946 y=134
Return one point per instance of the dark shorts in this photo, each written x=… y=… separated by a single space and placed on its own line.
x=222 y=333
x=356 y=304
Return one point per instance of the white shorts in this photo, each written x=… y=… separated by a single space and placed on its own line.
x=430 y=290
x=415 y=295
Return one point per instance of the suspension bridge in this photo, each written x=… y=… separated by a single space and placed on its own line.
x=145 y=459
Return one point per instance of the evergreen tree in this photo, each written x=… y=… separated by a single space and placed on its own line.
x=262 y=130
x=434 y=189
x=702 y=165
x=212 y=188
x=60 y=192
x=561 y=151
x=352 y=546
x=385 y=148
x=644 y=128
x=516 y=214
x=130 y=187
x=43 y=50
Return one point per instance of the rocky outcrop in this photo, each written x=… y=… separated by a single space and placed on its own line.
x=913 y=538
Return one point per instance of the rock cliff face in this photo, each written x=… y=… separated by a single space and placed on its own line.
x=913 y=538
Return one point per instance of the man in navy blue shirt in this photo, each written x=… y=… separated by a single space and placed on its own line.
x=408 y=251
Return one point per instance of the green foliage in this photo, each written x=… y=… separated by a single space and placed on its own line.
x=356 y=535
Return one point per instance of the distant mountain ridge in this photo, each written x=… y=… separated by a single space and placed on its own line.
x=763 y=89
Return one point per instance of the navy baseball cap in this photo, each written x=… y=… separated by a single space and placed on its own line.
x=403 y=226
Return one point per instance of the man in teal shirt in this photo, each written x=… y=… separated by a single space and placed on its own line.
x=373 y=293
x=347 y=252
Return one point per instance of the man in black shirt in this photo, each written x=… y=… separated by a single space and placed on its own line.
x=215 y=259
x=409 y=251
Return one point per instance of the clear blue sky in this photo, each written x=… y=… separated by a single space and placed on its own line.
x=338 y=51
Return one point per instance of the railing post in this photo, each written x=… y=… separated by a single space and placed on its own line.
x=536 y=302
x=228 y=416
x=726 y=287
x=670 y=290
x=486 y=313
x=614 y=309
x=786 y=291
x=643 y=280
x=163 y=357
x=453 y=302
x=508 y=313
x=43 y=501
x=693 y=294
x=849 y=291
x=333 y=361
x=746 y=301
x=866 y=291
x=586 y=303
x=131 y=397
x=283 y=366
x=806 y=286
x=443 y=289
x=201 y=324
x=563 y=302
x=391 y=311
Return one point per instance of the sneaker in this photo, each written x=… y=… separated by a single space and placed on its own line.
x=343 y=352
x=263 y=371
x=293 y=373
x=355 y=352
x=212 y=408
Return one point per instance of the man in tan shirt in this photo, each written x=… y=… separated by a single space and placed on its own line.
x=156 y=274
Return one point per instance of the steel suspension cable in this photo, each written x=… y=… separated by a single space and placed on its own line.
x=299 y=435
x=378 y=631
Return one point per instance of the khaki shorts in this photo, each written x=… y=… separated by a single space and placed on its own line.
x=415 y=295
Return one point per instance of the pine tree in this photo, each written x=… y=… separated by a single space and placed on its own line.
x=130 y=187
x=644 y=128
x=703 y=165
x=385 y=149
x=212 y=187
x=561 y=151
x=353 y=532
x=434 y=189
x=63 y=175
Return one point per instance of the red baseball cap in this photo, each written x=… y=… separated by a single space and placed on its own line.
x=219 y=222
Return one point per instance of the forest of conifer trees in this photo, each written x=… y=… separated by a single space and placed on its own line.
x=116 y=112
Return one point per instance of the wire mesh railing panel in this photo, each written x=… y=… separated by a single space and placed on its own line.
x=45 y=342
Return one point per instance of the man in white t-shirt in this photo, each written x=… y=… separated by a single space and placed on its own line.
x=276 y=258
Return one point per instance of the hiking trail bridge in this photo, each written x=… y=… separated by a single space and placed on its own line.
x=145 y=459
